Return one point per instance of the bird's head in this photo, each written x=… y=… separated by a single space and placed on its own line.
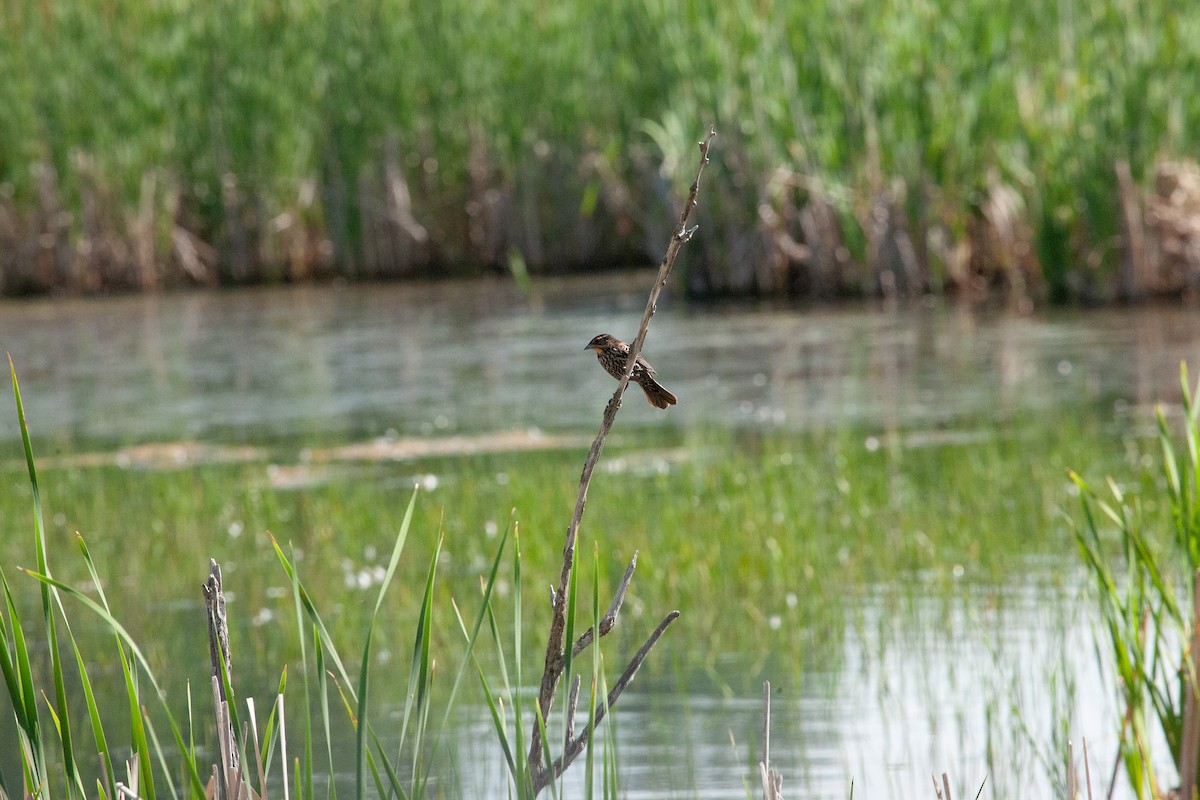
x=601 y=342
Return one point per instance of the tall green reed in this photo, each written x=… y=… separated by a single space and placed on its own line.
x=1146 y=591
x=144 y=763
x=37 y=740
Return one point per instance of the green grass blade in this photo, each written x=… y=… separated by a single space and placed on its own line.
x=270 y=735
x=395 y=786
x=501 y=731
x=418 y=669
x=124 y=638
x=376 y=778
x=516 y=767
x=18 y=676
x=110 y=776
x=310 y=609
x=304 y=780
x=473 y=636
x=397 y=549
x=93 y=708
x=161 y=752
x=518 y=647
x=323 y=699
x=63 y=726
x=597 y=676
x=361 y=751
x=360 y=726
x=547 y=758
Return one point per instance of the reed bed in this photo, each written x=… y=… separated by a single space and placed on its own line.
x=892 y=147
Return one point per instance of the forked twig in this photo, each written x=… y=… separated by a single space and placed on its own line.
x=555 y=661
x=609 y=620
x=576 y=745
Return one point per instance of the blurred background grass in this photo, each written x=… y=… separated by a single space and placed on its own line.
x=891 y=146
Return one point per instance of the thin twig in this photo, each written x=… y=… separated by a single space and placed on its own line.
x=772 y=779
x=572 y=705
x=1112 y=780
x=1071 y=777
x=766 y=733
x=554 y=662
x=609 y=620
x=262 y=768
x=1087 y=770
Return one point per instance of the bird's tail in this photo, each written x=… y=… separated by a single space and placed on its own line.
x=657 y=394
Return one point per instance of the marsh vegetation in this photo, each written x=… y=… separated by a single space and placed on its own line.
x=867 y=148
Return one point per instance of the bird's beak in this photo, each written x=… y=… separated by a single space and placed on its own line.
x=590 y=346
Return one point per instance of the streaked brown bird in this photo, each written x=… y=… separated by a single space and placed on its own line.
x=613 y=355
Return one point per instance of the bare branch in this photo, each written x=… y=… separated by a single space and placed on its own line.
x=576 y=746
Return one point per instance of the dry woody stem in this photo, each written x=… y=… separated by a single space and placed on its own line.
x=555 y=659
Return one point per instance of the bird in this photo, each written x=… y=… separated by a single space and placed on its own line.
x=613 y=355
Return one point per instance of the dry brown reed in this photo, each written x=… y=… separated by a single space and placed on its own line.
x=801 y=244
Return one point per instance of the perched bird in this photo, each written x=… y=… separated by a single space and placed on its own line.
x=613 y=355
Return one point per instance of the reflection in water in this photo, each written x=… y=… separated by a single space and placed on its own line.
x=922 y=687
x=318 y=363
x=322 y=370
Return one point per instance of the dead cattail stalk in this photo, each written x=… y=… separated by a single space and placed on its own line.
x=219 y=658
x=1135 y=278
x=942 y=790
x=143 y=234
x=772 y=780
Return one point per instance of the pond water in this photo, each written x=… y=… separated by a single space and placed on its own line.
x=478 y=357
x=914 y=691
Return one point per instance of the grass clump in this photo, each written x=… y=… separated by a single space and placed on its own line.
x=143 y=764
x=1147 y=593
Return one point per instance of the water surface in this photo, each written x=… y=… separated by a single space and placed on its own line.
x=470 y=357
x=919 y=684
